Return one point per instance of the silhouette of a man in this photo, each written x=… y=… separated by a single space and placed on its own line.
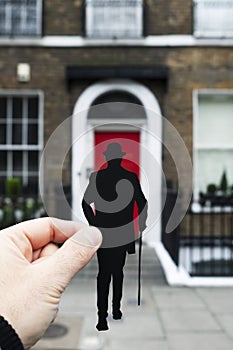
x=114 y=192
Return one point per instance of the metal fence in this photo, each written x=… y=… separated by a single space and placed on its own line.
x=206 y=242
x=203 y=242
x=170 y=240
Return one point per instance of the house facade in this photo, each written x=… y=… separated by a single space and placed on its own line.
x=174 y=58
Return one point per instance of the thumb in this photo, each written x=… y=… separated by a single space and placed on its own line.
x=74 y=254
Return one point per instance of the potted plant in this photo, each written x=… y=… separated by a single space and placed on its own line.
x=223 y=186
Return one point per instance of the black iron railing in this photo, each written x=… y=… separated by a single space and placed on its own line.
x=206 y=242
x=170 y=240
x=203 y=242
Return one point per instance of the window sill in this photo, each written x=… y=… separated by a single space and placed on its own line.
x=148 y=41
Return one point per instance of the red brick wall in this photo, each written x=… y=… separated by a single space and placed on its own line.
x=66 y=17
x=189 y=68
x=168 y=17
x=63 y=17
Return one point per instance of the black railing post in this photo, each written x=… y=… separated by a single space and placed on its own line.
x=170 y=240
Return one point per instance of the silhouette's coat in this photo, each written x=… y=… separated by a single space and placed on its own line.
x=114 y=192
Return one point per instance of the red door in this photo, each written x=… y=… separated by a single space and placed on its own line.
x=129 y=142
x=130 y=160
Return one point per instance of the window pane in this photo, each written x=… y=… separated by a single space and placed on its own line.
x=211 y=165
x=3 y=161
x=213 y=18
x=17 y=14
x=3 y=104
x=33 y=107
x=31 y=21
x=17 y=107
x=33 y=134
x=33 y=160
x=215 y=123
x=2 y=18
x=2 y=134
x=16 y=134
x=2 y=185
x=17 y=161
x=33 y=184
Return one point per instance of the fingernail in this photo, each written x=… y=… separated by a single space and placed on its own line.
x=89 y=236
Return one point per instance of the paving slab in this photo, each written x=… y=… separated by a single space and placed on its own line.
x=137 y=325
x=206 y=341
x=80 y=295
x=188 y=320
x=226 y=321
x=146 y=344
x=129 y=301
x=69 y=340
x=219 y=300
x=181 y=299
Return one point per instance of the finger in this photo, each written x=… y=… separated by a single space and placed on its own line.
x=75 y=253
x=36 y=254
x=48 y=250
x=41 y=231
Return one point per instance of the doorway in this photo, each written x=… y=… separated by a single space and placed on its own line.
x=88 y=129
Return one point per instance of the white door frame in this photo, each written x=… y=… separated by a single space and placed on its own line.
x=150 y=136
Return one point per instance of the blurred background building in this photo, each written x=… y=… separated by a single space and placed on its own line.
x=174 y=57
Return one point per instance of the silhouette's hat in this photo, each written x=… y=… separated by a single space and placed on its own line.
x=114 y=150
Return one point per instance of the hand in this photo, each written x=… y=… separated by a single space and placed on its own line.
x=34 y=271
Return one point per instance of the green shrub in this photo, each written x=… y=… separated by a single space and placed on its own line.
x=13 y=188
x=211 y=188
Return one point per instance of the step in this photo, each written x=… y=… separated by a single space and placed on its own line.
x=151 y=268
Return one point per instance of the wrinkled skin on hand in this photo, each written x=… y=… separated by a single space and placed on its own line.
x=34 y=271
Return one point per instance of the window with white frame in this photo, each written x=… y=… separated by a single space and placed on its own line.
x=21 y=138
x=213 y=18
x=114 y=18
x=212 y=139
x=20 y=18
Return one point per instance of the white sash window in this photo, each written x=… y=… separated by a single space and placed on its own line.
x=213 y=18
x=212 y=141
x=114 y=18
x=20 y=17
x=21 y=137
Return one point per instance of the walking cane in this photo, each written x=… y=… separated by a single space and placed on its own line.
x=139 y=268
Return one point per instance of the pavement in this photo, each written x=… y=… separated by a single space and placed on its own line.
x=169 y=318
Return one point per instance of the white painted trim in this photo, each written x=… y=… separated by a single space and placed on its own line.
x=130 y=124
x=80 y=125
x=148 y=41
x=21 y=92
x=178 y=276
x=39 y=18
x=195 y=129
